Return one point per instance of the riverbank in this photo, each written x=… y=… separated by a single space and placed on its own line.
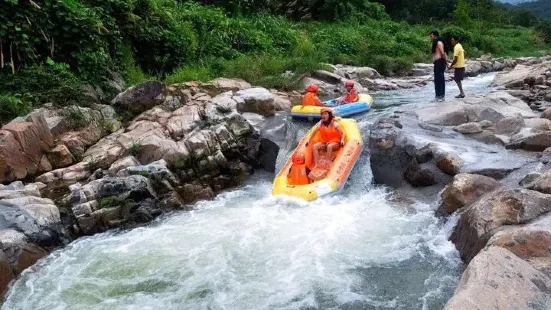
x=188 y=142
x=484 y=161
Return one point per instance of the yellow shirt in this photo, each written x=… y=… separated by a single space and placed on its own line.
x=459 y=52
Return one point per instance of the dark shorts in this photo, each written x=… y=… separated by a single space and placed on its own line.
x=459 y=74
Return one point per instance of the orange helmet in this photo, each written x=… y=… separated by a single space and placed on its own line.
x=328 y=110
x=298 y=158
x=349 y=83
x=312 y=88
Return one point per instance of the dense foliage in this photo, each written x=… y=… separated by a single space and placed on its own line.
x=50 y=48
x=541 y=8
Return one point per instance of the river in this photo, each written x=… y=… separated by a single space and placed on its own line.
x=361 y=249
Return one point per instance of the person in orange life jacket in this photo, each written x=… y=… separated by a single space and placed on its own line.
x=351 y=95
x=332 y=136
x=298 y=174
x=311 y=97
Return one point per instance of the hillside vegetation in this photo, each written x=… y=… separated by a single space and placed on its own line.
x=50 y=48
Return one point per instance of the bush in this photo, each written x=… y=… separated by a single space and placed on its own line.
x=11 y=107
x=40 y=84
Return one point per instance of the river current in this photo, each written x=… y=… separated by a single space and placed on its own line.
x=360 y=249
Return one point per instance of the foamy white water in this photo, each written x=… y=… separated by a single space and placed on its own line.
x=249 y=250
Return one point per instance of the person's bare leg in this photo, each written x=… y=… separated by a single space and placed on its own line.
x=316 y=149
x=330 y=148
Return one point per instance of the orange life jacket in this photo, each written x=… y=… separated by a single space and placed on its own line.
x=310 y=99
x=297 y=175
x=329 y=133
x=351 y=96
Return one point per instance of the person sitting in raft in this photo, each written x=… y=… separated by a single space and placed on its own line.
x=331 y=134
x=311 y=97
x=298 y=174
x=351 y=95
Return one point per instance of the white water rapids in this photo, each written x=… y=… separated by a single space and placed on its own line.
x=246 y=249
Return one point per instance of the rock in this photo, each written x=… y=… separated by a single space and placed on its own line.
x=44 y=164
x=18 y=190
x=524 y=243
x=65 y=176
x=6 y=274
x=184 y=120
x=529 y=178
x=497 y=279
x=468 y=128
x=516 y=78
x=355 y=73
x=328 y=77
x=510 y=125
x=473 y=109
x=78 y=141
x=221 y=85
x=255 y=120
x=449 y=164
x=419 y=177
x=28 y=256
x=485 y=124
x=135 y=187
x=430 y=127
x=538 y=123
x=541 y=184
x=506 y=207
x=121 y=164
x=141 y=97
x=546 y=114
x=465 y=189
x=60 y=156
x=256 y=100
x=282 y=104
x=531 y=141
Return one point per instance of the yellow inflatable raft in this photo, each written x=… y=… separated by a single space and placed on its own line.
x=337 y=175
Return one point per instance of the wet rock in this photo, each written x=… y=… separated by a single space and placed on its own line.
x=506 y=207
x=6 y=274
x=468 y=128
x=28 y=256
x=538 y=123
x=546 y=114
x=510 y=125
x=473 y=109
x=141 y=97
x=255 y=120
x=485 y=124
x=524 y=243
x=497 y=279
x=430 y=127
x=464 y=190
x=449 y=164
x=419 y=177
x=542 y=183
x=256 y=100
x=531 y=141
x=134 y=187
x=529 y=178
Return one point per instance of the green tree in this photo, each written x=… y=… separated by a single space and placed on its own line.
x=462 y=13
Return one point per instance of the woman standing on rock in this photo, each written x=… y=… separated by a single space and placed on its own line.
x=440 y=63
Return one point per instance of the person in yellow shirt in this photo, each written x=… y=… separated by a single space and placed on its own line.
x=458 y=64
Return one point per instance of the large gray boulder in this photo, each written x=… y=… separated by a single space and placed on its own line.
x=497 y=279
x=141 y=97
